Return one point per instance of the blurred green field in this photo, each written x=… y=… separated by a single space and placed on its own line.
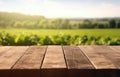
x=59 y=37
x=80 y=32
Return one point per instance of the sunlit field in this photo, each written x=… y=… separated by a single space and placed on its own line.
x=80 y=32
x=59 y=37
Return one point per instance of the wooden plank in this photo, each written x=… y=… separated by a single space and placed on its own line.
x=116 y=48
x=109 y=54
x=54 y=58
x=32 y=59
x=77 y=63
x=30 y=63
x=76 y=59
x=8 y=59
x=100 y=61
x=4 y=49
x=54 y=63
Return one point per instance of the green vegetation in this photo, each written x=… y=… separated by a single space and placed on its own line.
x=16 y=20
x=20 y=29
x=72 y=32
x=60 y=37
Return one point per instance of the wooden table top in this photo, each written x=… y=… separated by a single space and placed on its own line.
x=59 y=58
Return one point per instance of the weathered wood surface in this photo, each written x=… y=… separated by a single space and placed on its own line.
x=76 y=59
x=32 y=59
x=59 y=61
x=97 y=57
x=54 y=59
x=9 y=58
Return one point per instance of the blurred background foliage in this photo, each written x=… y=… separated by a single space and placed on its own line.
x=35 y=22
x=17 y=20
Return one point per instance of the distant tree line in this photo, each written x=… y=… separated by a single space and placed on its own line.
x=16 y=20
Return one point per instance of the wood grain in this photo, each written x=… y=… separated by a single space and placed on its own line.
x=32 y=59
x=4 y=49
x=99 y=60
x=59 y=61
x=54 y=63
x=76 y=59
x=30 y=63
x=116 y=48
x=8 y=59
x=54 y=58
x=110 y=54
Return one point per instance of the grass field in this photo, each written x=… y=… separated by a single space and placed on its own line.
x=59 y=37
x=80 y=32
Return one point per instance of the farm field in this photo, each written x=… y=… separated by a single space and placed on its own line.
x=59 y=37
x=72 y=32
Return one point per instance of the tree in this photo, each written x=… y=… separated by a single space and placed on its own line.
x=118 y=24
x=86 y=24
x=100 y=25
x=112 y=23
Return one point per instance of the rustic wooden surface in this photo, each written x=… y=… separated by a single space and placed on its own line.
x=59 y=61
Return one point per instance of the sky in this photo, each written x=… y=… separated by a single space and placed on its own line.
x=64 y=8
